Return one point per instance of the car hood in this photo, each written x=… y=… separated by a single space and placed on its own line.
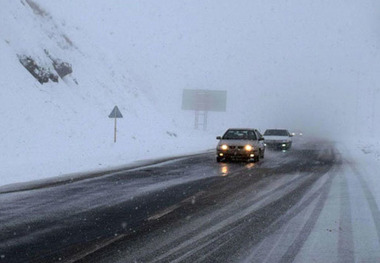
x=237 y=142
x=277 y=138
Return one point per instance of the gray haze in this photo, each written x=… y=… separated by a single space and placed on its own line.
x=309 y=65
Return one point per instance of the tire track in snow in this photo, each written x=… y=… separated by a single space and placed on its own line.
x=297 y=244
x=371 y=200
x=234 y=223
x=346 y=245
x=269 y=250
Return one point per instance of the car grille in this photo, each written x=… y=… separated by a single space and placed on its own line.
x=234 y=147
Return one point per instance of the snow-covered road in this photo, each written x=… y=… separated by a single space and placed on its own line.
x=348 y=229
x=315 y=203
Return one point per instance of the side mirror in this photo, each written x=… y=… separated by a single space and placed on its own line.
x=218 y=137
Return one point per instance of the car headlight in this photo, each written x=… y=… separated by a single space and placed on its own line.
x=248 y=148
x=224 y=147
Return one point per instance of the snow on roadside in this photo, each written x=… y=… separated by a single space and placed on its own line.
x=370 y=148
x=60 y=128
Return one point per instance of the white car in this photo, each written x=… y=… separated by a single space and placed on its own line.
x=278 y=139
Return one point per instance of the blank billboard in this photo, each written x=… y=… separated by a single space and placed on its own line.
x=204 y=100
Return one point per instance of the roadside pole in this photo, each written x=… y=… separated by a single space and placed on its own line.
x=114 y=137
x=115 y=113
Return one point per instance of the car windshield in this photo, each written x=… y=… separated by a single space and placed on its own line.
x=276 y=132
x=239 y=135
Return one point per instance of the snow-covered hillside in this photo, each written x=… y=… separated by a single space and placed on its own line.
x=54 y=128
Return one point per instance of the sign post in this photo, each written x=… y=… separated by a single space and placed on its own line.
x=115 y=113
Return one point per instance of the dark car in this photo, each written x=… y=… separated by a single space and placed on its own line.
x=278 y=139
x=240 y=144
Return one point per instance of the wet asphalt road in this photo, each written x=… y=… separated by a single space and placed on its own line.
x=185 y=210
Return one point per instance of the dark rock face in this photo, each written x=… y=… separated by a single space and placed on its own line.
x=62 y=68
x=43 y=75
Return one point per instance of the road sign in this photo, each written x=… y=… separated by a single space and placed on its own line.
x=115 y=113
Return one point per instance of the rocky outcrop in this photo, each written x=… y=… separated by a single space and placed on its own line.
x=40 y=73
x=44 y=74
x=62 y=68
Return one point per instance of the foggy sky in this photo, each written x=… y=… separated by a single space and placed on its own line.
x=310 y=65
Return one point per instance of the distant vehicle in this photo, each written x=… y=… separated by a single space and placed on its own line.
x=240 y=144
x=278 y=139
x=296 y=133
